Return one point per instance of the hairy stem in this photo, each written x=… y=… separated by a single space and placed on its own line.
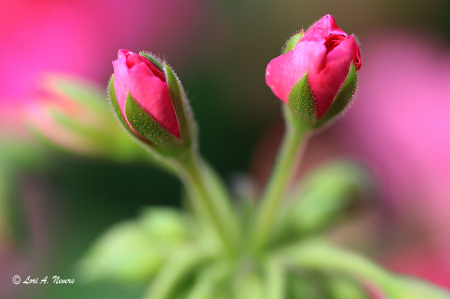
x=270 y=203
x=210 y=200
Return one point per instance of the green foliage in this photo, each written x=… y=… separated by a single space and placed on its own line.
x=133 y=251
x=344 y=287
x=326 y=194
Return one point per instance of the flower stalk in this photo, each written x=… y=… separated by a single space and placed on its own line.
x=294 y=141
x=210 y=200
x=322 y=257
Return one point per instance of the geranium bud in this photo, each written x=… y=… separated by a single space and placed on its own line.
x=74 y=115
x=150 y=102
x=316 y=75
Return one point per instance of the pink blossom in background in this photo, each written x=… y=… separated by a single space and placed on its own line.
x=400 y=124
x=81 y=36
x=11 y=121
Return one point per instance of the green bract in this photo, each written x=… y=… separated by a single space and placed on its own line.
x=292 y=42
x=301 y=103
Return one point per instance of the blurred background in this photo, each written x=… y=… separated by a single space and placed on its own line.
x=54 y=204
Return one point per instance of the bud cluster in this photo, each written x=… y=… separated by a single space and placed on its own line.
x=271 y=247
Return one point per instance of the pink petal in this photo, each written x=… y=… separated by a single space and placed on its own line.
x=120 y=73
x=325 y=84
x=286 y=70
x=322 y=29
x=153 y=95
x=133 y=59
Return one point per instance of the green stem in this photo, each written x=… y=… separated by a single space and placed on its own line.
x=275 y=279
x=210 y=281
x=210 y=200
x=319 y=256
x=276 y=187
x=183 y=262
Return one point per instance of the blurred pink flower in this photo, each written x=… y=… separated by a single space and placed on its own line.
x=400 y=125
x=81 y=37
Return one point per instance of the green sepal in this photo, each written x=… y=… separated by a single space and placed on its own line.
x=183 y=111
x=115 y=105
x=161 y=140
x=154 y=60
x=301 y=104
x=343 y=97
x=154 y=158
x=292 y=42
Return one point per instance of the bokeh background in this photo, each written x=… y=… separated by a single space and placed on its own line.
x=54 y=204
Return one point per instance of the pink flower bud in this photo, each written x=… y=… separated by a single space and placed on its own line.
x=137 y=76
x=325 y=54
x=73 y=115
x=150 y=103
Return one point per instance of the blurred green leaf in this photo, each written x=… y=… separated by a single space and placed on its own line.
x=425 y=289
x=250 y=286
x=342 y=287
x=132 y=251
x=81 y=91
x=179 y=268
x=13 y=221
x=210 y=280
x=305 y=285
x=165 y=224
x=326 y=194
